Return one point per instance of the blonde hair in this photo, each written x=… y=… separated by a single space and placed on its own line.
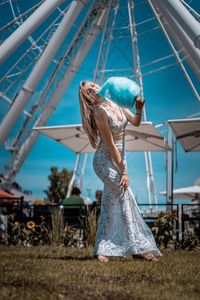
x=88 y=105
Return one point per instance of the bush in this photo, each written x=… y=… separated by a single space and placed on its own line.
x=163 y=229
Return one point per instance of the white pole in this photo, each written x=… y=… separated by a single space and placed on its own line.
x=73 y=175
x=186 y=20
x=102 y=42
x=25 y=30
x=34 y=78
x=170 y=173
x=152 y=185
x=58 y=93
x=136 y=62
x=82 y=171
x=148 y=179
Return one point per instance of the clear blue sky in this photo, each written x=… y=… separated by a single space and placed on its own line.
x=167 y=94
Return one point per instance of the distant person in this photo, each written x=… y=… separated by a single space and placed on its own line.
x=98 y=196
x=75 y=200
x=97 y=203
x=74 y=209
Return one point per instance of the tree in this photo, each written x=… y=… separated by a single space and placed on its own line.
x=59 y=182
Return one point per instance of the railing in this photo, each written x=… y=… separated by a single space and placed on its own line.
x=187 y=215
x=190 y=214
x=9 y=203
x=151 y=215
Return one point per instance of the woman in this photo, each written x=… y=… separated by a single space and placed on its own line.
x=121 y=229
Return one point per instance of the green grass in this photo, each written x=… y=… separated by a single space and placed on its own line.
x=69 y=273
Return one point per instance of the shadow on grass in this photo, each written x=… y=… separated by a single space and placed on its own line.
x=67 y=257
x=75 y=258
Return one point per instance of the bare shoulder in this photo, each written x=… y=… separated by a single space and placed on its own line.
x=100 y=113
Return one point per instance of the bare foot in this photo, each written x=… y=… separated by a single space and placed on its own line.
x=103 y=259
x=146 y=256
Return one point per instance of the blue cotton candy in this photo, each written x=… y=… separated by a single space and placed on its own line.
x=120 y=90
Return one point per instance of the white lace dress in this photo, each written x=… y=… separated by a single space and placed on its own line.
x=121 y=228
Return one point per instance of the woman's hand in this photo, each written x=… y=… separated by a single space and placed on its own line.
x=124 y=181
x=139 y=104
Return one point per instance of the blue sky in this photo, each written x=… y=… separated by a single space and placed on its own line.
x=167 y=94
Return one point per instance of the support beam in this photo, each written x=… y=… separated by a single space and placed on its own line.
x=170 y=166
x=82 y=171
x=183 y=42
x=177 y=31
x=73 y=175
x=152 y=186
x=25 y=30
x=38 y=71
x=186 y=20
x=137 y=67
x=179 y=39
x=74 y=65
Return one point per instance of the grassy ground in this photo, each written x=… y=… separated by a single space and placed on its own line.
x=61 y=273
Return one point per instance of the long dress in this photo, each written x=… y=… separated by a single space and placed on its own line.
x=121 y=228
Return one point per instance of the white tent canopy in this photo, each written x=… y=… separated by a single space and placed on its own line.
x=138 y=138
x=142 y=138
x=187 y=131
x=190 y=192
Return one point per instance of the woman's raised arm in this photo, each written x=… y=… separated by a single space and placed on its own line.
x=135 y=120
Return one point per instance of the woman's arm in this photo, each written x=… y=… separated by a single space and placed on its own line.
x=135 y=119
x=101 y=120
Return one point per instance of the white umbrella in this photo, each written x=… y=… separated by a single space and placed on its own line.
x=187 y=132
x=142 y=138
x=190 y=192
x=138 y=138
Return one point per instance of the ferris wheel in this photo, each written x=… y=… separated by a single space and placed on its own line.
x=43 y=46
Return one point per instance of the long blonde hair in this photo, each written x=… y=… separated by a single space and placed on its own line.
x=88 y=104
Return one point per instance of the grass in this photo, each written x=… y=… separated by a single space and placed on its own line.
x=70 y=273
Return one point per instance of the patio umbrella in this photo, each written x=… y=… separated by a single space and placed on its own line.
x=138 y=138
x=4 y=194
x=7 y=198
x=190 y=192
x=187 y=132
x=142 y=138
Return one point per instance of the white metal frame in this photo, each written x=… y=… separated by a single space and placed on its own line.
x=25 y=30
x=81 y=52
x=170 y=14
x=38 y=71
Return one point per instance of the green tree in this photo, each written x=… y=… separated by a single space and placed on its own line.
x=59 y=182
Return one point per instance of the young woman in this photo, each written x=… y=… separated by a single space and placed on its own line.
x=121 y=228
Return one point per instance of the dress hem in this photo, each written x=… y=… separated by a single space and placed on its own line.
x=154 y=252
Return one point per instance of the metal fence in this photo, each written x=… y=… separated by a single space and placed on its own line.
x=187 y=215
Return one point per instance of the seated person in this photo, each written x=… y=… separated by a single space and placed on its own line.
x=74 y=201
x=74 y=208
